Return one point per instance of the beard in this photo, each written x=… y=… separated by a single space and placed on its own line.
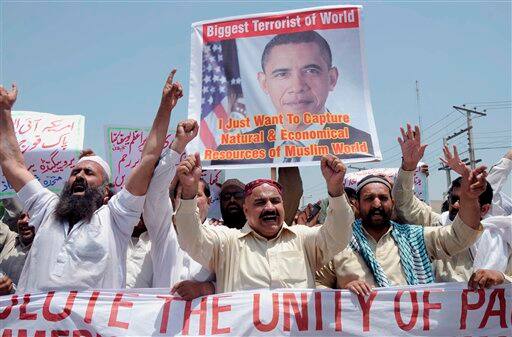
x=384 y=221
x=233 y=218
x=75 y=208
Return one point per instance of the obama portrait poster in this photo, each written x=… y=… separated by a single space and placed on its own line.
x=281 y=89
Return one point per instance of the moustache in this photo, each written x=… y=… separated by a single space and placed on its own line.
x=376 y=211
x=268 y=213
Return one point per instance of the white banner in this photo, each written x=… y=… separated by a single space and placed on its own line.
x=420 y=179
x=124 y=148
x=282 y=89
x=434 y=310
x=50 y=145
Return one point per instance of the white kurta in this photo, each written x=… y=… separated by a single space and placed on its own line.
x=170 y=263
x=498 y=175
x=139 y=267
x=91 y=256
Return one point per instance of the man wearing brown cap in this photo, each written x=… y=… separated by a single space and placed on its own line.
x=266 y=252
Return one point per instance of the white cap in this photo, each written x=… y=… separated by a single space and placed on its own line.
x=98 y=160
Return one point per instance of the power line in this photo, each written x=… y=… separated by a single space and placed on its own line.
x=425 y=140
x=488 y=102
x=423 y=130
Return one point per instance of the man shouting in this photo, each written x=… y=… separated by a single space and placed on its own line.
x=81 y=236
x=266 y=252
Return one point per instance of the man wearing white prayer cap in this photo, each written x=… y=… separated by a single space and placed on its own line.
x=82 y=235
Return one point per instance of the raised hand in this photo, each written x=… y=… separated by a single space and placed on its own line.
x=333 y=171
x=189 y=174
x=185 y=132
x=412 y=149
x=453 y=161
x=473 y=183
x=7 y=98
x=172 y=92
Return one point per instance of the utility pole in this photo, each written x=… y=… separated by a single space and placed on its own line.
x=471 y=148
x=446 y=168
x=418 y=103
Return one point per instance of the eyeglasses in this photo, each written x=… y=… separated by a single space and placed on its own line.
x=227 y=195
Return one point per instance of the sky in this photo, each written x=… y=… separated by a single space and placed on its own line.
x=108 y=60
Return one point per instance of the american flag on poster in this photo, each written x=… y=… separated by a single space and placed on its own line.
x=214 y=94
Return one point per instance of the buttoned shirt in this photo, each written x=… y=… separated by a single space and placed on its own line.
x=170 y=263
x=440 y=242
x=139 y=267
x=456 y=267
x=92 y=255
x=243 y=259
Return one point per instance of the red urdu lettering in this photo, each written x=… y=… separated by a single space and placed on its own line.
x=427 y=306
x=366 y=306
x=414 y=314
x=216 y=310
x=7 y=311
x=467 y=306
x=30 y=316
x=90 y=306
x=256 y=320
x=301 y=319
x=500 y=312
x=47 y=315
x=202 y=317
x=165 y=313
x=337 y=310
x=118 y=302
x=318 y=311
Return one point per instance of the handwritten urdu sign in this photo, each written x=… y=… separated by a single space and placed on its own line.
x=50 y=145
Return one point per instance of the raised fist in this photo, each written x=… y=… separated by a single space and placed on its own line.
x=333 y=171
x=7 y=98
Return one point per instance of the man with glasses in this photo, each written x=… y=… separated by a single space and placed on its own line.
x=231 y=203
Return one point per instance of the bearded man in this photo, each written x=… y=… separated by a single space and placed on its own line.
x=266 y=252
x=81 y=236
x=384 y=253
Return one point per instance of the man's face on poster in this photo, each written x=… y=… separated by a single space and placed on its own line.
x=297 y=78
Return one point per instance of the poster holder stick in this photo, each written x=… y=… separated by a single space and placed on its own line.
x=273 y=173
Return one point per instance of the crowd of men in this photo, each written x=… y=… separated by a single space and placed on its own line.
x=155 y=231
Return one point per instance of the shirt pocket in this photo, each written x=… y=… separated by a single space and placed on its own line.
x=292 y=267
x=91 y=245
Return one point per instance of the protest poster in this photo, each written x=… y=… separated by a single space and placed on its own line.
x=50 y=145
x=124 y=148
x=420 y=179
x=447 y=309
x=281 y=89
